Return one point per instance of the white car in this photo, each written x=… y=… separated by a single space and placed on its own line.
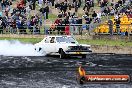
x=63 y=46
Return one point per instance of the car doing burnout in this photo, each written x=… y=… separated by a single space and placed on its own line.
x=63 y=46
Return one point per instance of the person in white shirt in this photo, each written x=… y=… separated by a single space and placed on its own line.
x=40 y=3
x=116 y=16
x=0 y=22
x=99 y=17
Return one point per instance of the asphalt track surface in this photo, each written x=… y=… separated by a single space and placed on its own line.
x=52 y=72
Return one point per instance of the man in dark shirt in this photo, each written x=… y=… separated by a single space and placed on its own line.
x=88 y=22
x=33 y=4
x=1 y=26
x=110 y=23
x=80 y=2
x=52 y=1
x=120 y=2
x=87 y=5
x=117 y=22
x=65 y=7
x=13 y=26
x=3 y=4
x=79 y=22
x=94 y=16
x=46 y=11
x=76 y=6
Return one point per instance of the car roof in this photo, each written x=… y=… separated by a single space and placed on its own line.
x=58 y=36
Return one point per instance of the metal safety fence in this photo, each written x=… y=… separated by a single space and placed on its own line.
x=75 y=29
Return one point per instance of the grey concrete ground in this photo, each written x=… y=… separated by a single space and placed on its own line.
x=52 y=72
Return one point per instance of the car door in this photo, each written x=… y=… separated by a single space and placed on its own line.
x=50 y=44
x=45 y=44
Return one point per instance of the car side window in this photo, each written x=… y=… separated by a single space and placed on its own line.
x=46 y=40
x=52 y=40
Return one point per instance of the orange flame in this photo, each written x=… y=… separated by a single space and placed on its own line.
x=81 y=71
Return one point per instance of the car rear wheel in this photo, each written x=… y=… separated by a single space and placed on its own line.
x=62 y=54
x=82 y=80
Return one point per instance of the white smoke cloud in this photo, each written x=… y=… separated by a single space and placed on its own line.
x=16 y=48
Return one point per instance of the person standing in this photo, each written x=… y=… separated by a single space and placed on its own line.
x=88 y=20
x=87 y=5
x=99 y=17
x=65 y=5
x=94 y=16
x=1 y=13
x=71 y=25
x=79 y=22
x=3 y=4
x=1 y=26
x=76 y=5
x=33 y=4
x=53 y=2
x=80 y=3
x=117 y=22
x=40 y=2
x=14 y=30
x=46 y=12
x=110 y=23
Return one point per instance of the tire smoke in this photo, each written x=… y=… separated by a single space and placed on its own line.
x=16 y=48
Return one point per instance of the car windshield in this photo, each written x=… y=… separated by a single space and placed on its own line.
x=66 y=39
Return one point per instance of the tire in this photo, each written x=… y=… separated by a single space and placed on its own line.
x=83 y=56
x=82 y=80
x=62 y=54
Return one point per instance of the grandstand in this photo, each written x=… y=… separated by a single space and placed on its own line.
x=125 y=25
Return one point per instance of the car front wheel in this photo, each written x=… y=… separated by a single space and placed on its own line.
x=62 y=54
x=83 y=56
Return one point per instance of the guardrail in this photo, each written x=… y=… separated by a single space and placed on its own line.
x=76 y=29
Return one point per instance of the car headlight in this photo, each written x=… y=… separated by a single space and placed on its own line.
x=87 y=48
x=69 y=47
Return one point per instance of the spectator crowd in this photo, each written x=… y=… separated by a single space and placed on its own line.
x=17 y=19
